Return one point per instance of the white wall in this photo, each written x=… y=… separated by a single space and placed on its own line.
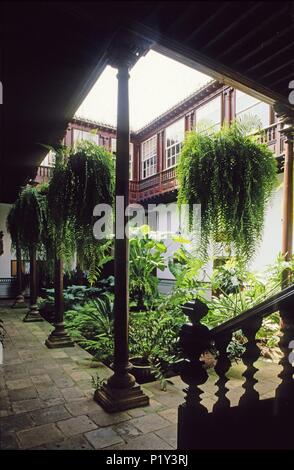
x=271 y=243
x=5 y=259
x=269 y=247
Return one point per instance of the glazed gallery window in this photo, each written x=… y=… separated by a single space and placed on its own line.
x=49 y=160
x=174 y=137
x=209 y=116
x=149 y=157
x=79 y=135
x=249 y=108
x=131 y=158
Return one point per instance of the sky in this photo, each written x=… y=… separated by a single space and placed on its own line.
x=156 y=84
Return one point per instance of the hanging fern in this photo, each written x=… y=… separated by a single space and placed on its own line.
x=25 y=222
x=91 y=176
x=91 y=181
x=82 y=178
x=232 y=177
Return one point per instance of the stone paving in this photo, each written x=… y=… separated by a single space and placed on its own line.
x=46 y=397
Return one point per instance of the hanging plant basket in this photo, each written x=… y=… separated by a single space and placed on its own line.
x=232 y=176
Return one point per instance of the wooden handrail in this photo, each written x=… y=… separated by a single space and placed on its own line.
x=196 y=338
x=265 y=308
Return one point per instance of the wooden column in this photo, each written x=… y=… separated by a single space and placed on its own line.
x=19 y=301
x=33 y=313
x=284 y=403
x=287 y=229
x=121 y=391
x=59 y=337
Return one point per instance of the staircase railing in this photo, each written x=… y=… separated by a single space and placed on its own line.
x=195 y=339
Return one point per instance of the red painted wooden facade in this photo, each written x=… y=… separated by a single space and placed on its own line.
x=163 y=184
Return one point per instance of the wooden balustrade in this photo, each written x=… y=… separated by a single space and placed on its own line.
x=166 y=181
x=195 y=339
x=44 y=174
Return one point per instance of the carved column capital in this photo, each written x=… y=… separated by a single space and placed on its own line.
x=126 y=49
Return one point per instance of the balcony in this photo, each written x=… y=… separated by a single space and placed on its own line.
x=272 y=137
x=155 y=185
x=165 y=181
x=44 y=173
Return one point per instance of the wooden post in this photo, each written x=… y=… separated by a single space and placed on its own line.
x=19 y=301
x=59 y=337
x=121 y=391
x=33 y=313
x=287 y=233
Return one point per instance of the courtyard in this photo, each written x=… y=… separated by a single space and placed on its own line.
x=47 y=397
x=145 y=333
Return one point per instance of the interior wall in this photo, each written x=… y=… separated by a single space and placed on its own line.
x=5 y=259
x=271 y=243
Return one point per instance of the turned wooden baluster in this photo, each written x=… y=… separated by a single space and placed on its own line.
x=194 y=340
x=285 y=391
x=250 y=356
x=222 y=367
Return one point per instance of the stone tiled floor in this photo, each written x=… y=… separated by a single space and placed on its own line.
x=46 y=397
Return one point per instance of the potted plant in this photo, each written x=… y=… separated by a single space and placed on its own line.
x=153 y=344
x=232 y=176
x=146 y=256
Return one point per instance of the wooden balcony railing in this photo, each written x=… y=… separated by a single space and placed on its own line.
x=44 y=174
x=254 y=422
x=165 y=181
x=273 y=138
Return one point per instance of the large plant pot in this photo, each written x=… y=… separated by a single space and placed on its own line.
x=141 y=370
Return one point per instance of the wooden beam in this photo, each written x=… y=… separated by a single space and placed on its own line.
x=195 y=59
x=268 y=58
x=263 y=45
x=252 y=32
x=277 y=69
x=281 y=79
x=232 y=25
x=208 y=21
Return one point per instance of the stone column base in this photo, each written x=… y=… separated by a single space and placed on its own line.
x=33 y=315
x=19 y=302
x=119 y=399
x=59 y=338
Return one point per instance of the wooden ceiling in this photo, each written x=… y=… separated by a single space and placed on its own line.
x=54 y=52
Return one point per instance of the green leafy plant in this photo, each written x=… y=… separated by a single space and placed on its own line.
x=26 y=219
x=82 y=178
x=91 y=325
x=146 y=256
x=154 y=338
x=98 y=382
x=232 y=177
x=74 y=295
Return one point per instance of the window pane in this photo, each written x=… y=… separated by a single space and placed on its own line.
x=258 y=115
x=84 y=135
x=244 y=101
x=209 y=115
x=175 y=132
x=149 y=157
